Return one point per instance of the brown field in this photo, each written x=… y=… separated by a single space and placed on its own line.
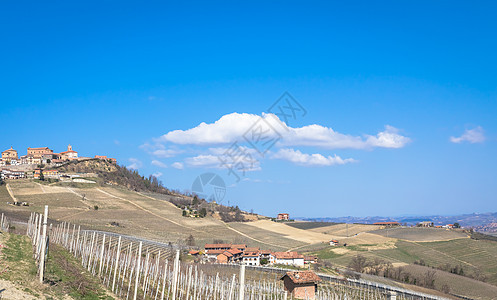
x=419 y=234
x=136 y=214
x=340 y=230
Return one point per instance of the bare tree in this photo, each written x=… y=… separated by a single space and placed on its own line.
x=429 y=279
x=358 y=263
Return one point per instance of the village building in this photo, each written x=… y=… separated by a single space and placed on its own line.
x=289 y=258
x=210 y=247
x=425 y=224
x=229 y=256
x=301 y=284
x=38 y=152
x=9 y=154
x=267 y=256
x=310 y=259
x=12 y=174
x=69 y=154
x=333 y=242
x=251 y=258
x=283 y=216
x=240 y=247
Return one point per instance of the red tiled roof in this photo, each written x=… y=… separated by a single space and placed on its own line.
x=251 y=253
x=214 y=252
x=302 y=277
x=251 y=249
x=239 y=246
x=193 y=252
x=234 y=251
x=227 y=254
x=334 y=241
x=287 y=255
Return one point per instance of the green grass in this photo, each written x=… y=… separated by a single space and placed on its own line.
x=64 y=275
x=17 y=255
x=66 y=272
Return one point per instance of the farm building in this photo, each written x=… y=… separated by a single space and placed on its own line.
x=333 y=242
x=283 y=216
x=425 y=224
x=301 y=284
x=289 y=258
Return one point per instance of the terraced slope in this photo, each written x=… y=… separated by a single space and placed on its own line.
x=119 y=210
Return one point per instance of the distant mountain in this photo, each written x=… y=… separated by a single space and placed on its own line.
x=483 y=222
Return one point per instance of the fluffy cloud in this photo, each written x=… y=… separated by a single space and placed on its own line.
x=305 y=159
x=177 y=165
x=135 y=163
x=159 y=150
x=219 y=162
x=159 y=164
x=235 y=126
x=157 y=174
x=473 y=136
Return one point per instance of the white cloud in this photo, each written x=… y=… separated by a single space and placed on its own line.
x=309 y=160
x=473 y=136
x=165 y=153
x=246 y=164
x=177 y=165
x=157 y=174
x=135 y=163
x=208 y=161
x=232 y=127
x=159 y=150
x=159 y=164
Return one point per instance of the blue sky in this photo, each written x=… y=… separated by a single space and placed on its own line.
x=400 y=98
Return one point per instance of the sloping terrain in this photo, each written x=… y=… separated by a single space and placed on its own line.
x=117 y=209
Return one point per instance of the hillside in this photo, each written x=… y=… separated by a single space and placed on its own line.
x=152 y=215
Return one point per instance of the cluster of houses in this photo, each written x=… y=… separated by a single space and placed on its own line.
x=299 y=284
x=10 y=161
x=251 y=256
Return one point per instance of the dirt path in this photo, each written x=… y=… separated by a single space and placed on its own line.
x=11 y=193
x=8 y=290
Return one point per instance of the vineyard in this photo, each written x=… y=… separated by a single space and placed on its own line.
x=136 y=269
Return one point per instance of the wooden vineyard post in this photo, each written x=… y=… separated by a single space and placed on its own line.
x=117 y=262
x=43 y=244
x=138 y=260
x=101 y=256
x=231 y=287
x=175 y=274
x=241 y=294
x=164 y=281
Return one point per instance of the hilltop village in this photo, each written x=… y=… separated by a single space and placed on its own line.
x=39 y=162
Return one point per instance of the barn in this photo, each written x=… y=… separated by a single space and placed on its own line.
x=301 y=284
